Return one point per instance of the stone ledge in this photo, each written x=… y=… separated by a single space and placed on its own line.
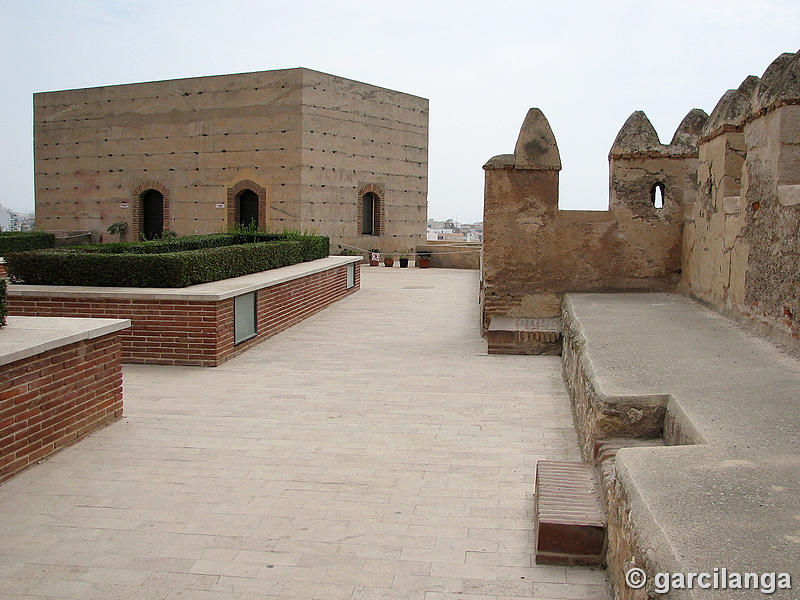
x=727 y=502
x=24 y=337
x=213 y=291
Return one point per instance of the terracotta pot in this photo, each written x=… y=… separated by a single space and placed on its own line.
x=373 y=263
x=390 y=262
x=423 y=263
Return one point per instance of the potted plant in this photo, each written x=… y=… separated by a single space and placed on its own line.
x=374 y=257
x=120 y=227
x=388 y=260
x=423 y=260
x=403 y=260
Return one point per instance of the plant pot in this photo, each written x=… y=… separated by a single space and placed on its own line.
x=388 y=262
x=373 y=263
x=403 y=263
x=423 y=263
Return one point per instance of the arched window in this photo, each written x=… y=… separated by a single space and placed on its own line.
x=248 y=208
x=369 y=210
x=370 y=203
x=152 y=214
x=657 y=195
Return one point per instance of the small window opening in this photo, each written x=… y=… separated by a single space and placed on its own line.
x=657 y=195
x=369 y=212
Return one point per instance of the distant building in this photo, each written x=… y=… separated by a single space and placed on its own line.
x=288 y=148
x=5 y=219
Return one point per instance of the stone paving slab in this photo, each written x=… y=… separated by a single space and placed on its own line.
x=373 y=451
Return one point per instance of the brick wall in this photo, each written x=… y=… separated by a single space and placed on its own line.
x=53 y=399
x=3 y=270
x=176 y=332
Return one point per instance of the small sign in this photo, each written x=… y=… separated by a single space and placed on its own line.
x=123 y=205
x=221 y=205
x=375 y=256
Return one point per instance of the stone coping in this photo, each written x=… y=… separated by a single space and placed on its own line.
x=731 y=499
x=213 y=291
x=24 y=337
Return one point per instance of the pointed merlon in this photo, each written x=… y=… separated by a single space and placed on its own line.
x=637 y=137
x=688 y=133
x=779 y=85
x=729 y=113
x=536 y=145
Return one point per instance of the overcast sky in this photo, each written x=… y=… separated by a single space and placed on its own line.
x=587 y=65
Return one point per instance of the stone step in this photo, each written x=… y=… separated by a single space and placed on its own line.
x=569 y=518
x=510 y=335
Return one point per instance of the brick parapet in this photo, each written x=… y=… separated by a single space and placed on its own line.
x=193 y=332
x=52 y=399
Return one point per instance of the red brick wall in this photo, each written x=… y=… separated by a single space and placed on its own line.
x=281 y=306
x=53 y=399
x=191 y=332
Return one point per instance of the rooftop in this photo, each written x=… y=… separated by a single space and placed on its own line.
x=373 y=451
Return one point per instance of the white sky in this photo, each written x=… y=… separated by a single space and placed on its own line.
x=587 y=65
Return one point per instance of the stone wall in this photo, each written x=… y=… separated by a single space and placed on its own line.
x=54 y=398
x=453 y=255
x=533 y=252
x=304 y=142
x=742 y=241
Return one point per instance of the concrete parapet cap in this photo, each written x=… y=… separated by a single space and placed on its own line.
x=203 y=292
x=24 y=337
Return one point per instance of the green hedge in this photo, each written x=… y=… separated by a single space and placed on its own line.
x=22 y=241
x=3 y=302
x=193 y=242
x=172 y=266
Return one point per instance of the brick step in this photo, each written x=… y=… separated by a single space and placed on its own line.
x=605 y=456
x=509 y=335
x=569 y=518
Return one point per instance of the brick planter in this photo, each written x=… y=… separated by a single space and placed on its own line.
x=59 y=380
x=195 y=325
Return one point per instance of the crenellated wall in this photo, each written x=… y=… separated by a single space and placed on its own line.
x=533 y=252
x=742 y=237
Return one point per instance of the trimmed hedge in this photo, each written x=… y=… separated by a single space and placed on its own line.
x=22 y=241
x=3 y=302
x=165 y=263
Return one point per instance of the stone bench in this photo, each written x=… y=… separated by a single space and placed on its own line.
x=723 y=492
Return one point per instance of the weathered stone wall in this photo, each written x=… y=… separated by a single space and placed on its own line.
x=304 y=142
x=742 y=238
x=533 y=253
x=453 y=255
x=597 y=416
x=358 y=138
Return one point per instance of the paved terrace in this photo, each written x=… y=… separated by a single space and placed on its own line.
x=372 y=451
